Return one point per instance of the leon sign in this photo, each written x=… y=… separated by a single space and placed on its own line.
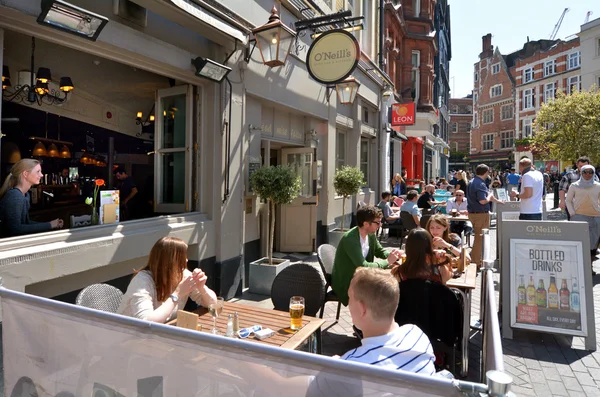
x=403 y=113
x=332 y=57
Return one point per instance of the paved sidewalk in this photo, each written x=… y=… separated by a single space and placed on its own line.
x=541 y=364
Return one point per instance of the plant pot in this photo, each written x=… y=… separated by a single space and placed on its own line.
x=335 y=235
x=262 y=274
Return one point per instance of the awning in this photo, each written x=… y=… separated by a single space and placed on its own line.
x=396 y=134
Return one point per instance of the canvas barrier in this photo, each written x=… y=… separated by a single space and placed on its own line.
x=56 y=349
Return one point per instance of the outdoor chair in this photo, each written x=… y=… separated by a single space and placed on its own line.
x=300 y=279
x=391 y=226
x=326 y=255
x=80 y=221
x=102 y=297
x=424 y=220
x=408 y=221
x=438 y=311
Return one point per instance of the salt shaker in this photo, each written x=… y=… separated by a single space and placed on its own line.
x=236 y=323
x=229 y=332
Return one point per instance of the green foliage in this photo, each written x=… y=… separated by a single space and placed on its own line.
x=347 y=181
x=523 y=142
x=569 y=126
x=278 y=184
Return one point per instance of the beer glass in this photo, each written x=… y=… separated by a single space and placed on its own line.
x=296 y=312
x=215 y=310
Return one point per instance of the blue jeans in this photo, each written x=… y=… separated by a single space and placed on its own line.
x=530 y=217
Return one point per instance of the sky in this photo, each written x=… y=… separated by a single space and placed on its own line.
x=509 y=22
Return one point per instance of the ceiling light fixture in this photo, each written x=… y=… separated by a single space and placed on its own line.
x=40 y=88
x=59 y=14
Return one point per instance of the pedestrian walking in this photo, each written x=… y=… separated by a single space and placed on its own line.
x=479 y=198
x=531 y=193
x=569 y=178
x=583 y=202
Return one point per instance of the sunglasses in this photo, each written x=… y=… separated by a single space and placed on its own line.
x=377 y=222
x=246 y=332
x=590 y=172
x=459 y=195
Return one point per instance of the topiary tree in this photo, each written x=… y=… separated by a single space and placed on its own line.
x=277 y=185
x=347 y=181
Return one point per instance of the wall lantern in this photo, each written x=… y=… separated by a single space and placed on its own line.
x=59 y=14
x=5 y=77
x=274 y=40
x=210 y=69
x=347 y=90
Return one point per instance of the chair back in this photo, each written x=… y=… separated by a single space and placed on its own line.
x=408 y=221
x=424 y=220
x=399 y=201
x=82 y=220
x=300 y=279
x=433 y=307
x=102 y=297
x=326 y=255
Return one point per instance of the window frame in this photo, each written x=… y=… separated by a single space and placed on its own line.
x=365 y=162
x=577 y=58
x=548 y=90
x=507 y=139
x=525 y=72
x=549 y=68
x=502 y=113
x=531 y=97
x=340 y=161
x=487 y=112
x=415 y=71
x=454 y=129
x=570 y=84
x=476 y=76
x=416 y=7
x=496 y=68
x=527 y=122
x=493 y=88
x=475 y=119
x=487 y=144
x=598 y=47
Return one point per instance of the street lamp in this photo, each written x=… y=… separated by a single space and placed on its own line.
x=274 y=40
x=347 y=90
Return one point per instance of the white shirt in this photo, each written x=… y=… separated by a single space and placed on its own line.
x=453 y=205
x=535 y=180
x=364 y=245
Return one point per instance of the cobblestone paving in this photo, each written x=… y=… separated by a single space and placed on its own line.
x=541 y=364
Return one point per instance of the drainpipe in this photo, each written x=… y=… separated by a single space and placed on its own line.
x=381 y=36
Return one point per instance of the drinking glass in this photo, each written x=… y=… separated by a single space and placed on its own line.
x=215 y=310
x=296 y=312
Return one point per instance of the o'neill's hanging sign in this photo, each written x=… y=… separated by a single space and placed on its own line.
x=333 y=56
x=403 y=114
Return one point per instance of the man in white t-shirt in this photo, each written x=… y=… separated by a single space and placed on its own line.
x=532 y=191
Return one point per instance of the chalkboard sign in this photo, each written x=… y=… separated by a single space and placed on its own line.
x=254 y=163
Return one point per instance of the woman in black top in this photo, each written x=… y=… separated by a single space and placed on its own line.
x=14 y=201
x=461 y=181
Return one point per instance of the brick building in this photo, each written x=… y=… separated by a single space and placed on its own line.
x=461 y=117
x=492 y=135
x=411 y=48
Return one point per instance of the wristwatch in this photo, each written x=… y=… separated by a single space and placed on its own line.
x=174 y=297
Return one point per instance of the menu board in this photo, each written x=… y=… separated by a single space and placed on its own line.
x=501 y=194
x=109 y=206
x=546 y=291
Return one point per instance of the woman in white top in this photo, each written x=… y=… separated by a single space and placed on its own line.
x=583 y=200
x=163 y=286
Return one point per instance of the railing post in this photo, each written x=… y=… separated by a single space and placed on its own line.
x=498 y=383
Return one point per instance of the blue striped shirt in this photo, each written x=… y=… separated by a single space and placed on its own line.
x=406 y=348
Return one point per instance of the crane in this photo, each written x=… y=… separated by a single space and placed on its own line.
x=557 y=26
x=587 y=16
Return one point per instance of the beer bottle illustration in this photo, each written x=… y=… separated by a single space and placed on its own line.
x=552 y=293
x=564 y=293
x=540 y=295
x=522 y=291
x=531 y=293
x=575 y=296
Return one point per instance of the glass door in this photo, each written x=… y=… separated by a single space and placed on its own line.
x=172 y=150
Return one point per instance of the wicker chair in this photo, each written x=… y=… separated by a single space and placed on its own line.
x=102 y=297
x=326 y=255
x=300 y=279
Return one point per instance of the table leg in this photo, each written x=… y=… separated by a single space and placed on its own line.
x=319 y=340
x=466 y=330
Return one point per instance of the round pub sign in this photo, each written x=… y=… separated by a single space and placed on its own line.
x=333 y=56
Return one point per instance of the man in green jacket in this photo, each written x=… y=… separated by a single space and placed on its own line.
x=359 y=247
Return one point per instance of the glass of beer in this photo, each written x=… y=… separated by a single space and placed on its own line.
x=296 y=312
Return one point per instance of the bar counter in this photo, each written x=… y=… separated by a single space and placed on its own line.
x=66 y=202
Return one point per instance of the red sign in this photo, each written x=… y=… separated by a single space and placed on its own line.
x=403 y=114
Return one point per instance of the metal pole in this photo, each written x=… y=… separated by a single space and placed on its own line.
x=111 y=160
x=1 y=63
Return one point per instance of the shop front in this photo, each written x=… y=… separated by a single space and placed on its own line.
x=412 y=158
x=135 y=102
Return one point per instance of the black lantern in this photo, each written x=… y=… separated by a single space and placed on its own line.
x=274 y=40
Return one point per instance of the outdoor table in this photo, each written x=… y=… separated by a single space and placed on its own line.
x=277 y=320
x=459 y=218
x=466 y=283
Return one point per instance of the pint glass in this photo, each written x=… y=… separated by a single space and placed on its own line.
x=296 y=312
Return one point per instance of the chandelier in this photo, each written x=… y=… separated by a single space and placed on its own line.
x=40 y=89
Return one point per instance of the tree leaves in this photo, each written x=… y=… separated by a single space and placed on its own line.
x=348 y=181
x=276 y=183
x=568 y=127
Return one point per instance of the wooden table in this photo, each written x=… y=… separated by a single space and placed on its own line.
x=277 y=320
x=460 y=218
x=467 y=280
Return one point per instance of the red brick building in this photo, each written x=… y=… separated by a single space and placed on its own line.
x=461 y=117
x=492 y=135
x=410 y=51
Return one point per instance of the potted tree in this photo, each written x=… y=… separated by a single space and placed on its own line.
x=275 y=185
x=347 y=182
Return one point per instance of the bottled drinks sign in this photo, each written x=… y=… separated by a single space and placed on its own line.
x=546 y=289
x=332 y=57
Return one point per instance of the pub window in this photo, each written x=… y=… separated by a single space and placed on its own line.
x=527 y=129
x=506 y=139
x=488 y=116
x=488 y=141
x=340 y=150
x=364 y=158
x=507 y=112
